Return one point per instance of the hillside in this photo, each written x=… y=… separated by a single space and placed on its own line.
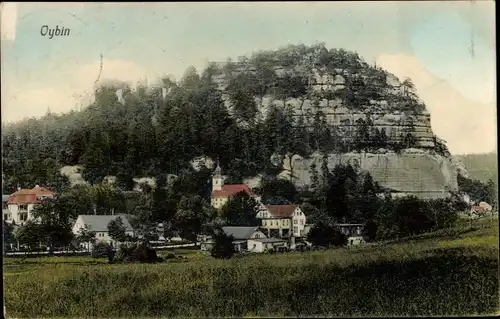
x=481 y=166
x=269 y=113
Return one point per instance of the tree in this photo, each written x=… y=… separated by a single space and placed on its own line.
x=241 y=210
x=313 y=172
x=117 y=230
x=370 y=230
x=141 y=220
x=408 y=88
x=192 y=213
x=326 y=236
x=223 y=246
x=8 y=235
x=86 y=236
x=278 y=188
x=362 y=134
x=492 y=194
x=29 y=234
x=54 y=222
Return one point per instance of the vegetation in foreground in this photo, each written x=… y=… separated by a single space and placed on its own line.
x=453 y=274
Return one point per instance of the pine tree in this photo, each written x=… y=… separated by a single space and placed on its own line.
x=314 y=177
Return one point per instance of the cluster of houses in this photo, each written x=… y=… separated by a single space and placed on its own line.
x=281 y=226
x=18 y=208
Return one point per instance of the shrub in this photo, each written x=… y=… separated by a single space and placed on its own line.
x=142 y=253
x=326 y=235
x=145 y=254
x=223 y=246
x=125 y=254
x=101 y=250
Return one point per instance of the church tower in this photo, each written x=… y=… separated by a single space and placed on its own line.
x=217 y=179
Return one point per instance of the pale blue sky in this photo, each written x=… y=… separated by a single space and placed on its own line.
x=156 y=39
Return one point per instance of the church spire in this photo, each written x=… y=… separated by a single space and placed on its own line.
x=217 y=179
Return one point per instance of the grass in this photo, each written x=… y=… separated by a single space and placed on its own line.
x=455 y=274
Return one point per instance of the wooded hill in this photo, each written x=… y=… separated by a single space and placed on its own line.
x=157 y=131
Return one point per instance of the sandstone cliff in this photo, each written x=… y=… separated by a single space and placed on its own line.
x=341 y=90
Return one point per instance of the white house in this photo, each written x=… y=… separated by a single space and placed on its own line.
x=283 y=220
x=246 y=238
x=354 y=233
x=21 y=204
x=99 y=225
x=260 y=245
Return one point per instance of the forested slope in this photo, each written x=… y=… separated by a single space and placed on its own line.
x=297 y=100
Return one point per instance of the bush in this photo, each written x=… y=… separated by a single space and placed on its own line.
x=223 y=246
x=142 y=253
x=101 y=250
x=125 y=254
x=326 y=235
x=170 y=256
x=145 y=254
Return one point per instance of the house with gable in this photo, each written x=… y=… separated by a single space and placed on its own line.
x=222 y=192
x=247 y=238
x=283 y=220
x=99 y=225
x=21 y=204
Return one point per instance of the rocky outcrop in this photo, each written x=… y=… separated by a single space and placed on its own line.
x=394 y=109
x=413 y=172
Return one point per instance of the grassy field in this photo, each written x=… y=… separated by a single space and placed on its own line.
x=448 y=273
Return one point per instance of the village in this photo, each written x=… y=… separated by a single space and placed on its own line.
x=282 y=227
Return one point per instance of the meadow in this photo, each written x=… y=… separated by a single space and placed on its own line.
x=453 y=272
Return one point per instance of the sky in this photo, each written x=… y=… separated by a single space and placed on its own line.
x=447 y=48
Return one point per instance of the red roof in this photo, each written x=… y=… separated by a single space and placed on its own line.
x=281 y=211
x=29 y=196
x=231 y=190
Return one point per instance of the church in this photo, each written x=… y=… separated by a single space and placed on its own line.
x=222 y=192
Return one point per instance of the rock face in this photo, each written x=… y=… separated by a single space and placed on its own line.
x=426 y=171
x=409 y=173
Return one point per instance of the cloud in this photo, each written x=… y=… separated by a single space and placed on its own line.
x=468 y=126
x=20 y=100
x=9 y=20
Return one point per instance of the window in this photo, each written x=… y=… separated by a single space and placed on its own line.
x=23 y=217
x=5 y=216
x=302 y=222
x=5 y=205
x=23 y=207
x=254 y=245
x=295 y=222
x=257 y=236
x=295 y=229
x=264 y=222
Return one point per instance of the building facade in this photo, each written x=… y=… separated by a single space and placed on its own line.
x=221 y=192
x=99 y=225
x=353 y=232
x=283 y=220
x=21 y=204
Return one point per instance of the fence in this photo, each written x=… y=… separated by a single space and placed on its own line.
x=79 y=252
